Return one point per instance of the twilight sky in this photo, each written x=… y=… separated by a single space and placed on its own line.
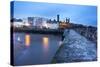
x=80 y=14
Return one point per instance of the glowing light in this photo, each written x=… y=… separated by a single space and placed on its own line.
x=27 y=24
x=45 y=24
x=18 y=39
x=27 y=40
x=45 y=43
x=45 y=40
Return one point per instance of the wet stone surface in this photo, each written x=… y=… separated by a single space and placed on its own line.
x=76 y=48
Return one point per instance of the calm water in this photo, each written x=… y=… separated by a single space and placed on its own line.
x=35 y=48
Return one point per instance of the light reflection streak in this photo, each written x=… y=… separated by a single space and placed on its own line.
x=27 y=40
x=45 y=43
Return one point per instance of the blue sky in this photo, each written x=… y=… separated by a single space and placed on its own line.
x=80 y=14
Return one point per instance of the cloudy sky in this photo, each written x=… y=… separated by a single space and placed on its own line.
x=80 y=14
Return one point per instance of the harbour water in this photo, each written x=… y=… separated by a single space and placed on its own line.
x=32 y=48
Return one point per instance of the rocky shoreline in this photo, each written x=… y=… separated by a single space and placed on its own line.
x=75 y=48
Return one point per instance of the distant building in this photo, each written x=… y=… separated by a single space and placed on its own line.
x=58 y=18
x=52 y=24
x=37 y=22
x=26 y=22
x=67 y=20
x=16 y=20
x=44 y=24
x=30 y=20
x=18 y=24
x=65 y=24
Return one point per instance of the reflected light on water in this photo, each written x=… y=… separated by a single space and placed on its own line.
x=60 y=43
x=45 y=43
x=27 y=40
x=18 y=39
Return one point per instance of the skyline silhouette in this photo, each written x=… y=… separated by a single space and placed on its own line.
x=80 y=14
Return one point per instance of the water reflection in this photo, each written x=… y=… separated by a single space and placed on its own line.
x=27 y=40
x=60 y=43
x=19 y=39
x=42 y=48
x=45 y=43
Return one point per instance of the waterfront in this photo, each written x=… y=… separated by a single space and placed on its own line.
x=53 y=34
x=34 y=48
